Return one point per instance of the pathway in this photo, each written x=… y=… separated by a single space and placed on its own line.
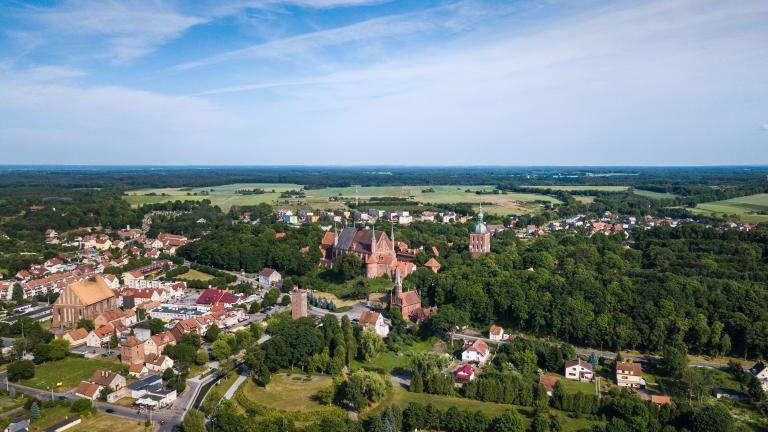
x=233 y=388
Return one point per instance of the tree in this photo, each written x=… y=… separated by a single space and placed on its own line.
x=698 y=382
x=105 y=391
x=221 y=349
x=417 y=383
x=449 y=319
x=85 y=323
x=201 y=357
x=509 y=421
x=364 y=388
x=213 y=333
x=59 y=349
x=81 y=405
x=18 y=293
x=674 y=361
x=194 y=421
x=712 y=418
x=371 y=344
x=34 y=411
x=21 y=369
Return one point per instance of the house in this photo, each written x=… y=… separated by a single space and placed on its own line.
x=100 y=336
x=760 y=371
x=158 y=363
x=269 y=277
x=65 y=424
x=137 y=370
x=433 y=265
x=476 y=351
x=76 y=337
x=579 y=369
x=112 y=281
x=157 y=343
x=127 y=318
x=88 y=390
x=108 y=379
x=157 y=397
x=375 y=321
x=189 y=325
x=82 y=299
x=139 y=387
x=496 y=333
x=18 y=424
x=548 y=381
x=629 y=375
x=132 y=351
x=465 y=373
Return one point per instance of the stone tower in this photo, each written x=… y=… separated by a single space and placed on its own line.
x=298 y=303
x=479 y=237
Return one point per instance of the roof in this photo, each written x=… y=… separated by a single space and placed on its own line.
x=432 y=263
x=132 y=341
x=91 y=290
x=86 y=388
x=147 y=381
x=758 y=367
x=548 y=381
x=369 y=317
x=104 y=330
x=212 y=296
x=496 y=330
x=267 y=272
x=661 y=399
x=579 y=362
x=328 y=238
x=155 y=360
x=103 y=378
x=478 y=346
x=78 y=334
x=633 y=368
x=136 y=368
x=67 y=421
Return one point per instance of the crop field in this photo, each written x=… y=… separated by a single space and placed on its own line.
x=225 y=196
x=583 y=188
x=653 y=195
x=746 y=207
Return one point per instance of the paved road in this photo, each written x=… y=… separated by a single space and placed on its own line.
x=233 y=388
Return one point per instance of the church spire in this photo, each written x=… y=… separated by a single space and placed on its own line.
x=398 y=282
x=392 y=233
x=373 y=240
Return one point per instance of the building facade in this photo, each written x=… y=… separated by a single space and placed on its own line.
x=479 y=238
x=85 y=299
x=298 y=303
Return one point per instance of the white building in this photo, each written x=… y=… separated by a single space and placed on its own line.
x=476 y=352
x=375 y=321
x=579 y=370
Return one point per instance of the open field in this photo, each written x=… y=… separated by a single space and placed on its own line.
x=225 y=197
x=745 y=207
x=289 y=393
x=69 y=372
x=653 y=195
x=99 y=422
x=583 y=188
x=388 y=360
x=336 y=301
x=193 y=274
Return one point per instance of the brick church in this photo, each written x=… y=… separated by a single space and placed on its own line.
x=479 y=237
x=375 y=248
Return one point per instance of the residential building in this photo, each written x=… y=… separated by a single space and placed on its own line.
x=157 y=343
x=548 y=381
x=465 y=373
x=629 y=375
x=433 y=265
x=100 y=337
x=18 y=424
x=269 y=277
x=212 y=296
x=76 y=337
x=760 y=371
x=158 y=363
x=83 y=299
x=496 y=333
x=88 y=390
x=579 y=369
x=108 y=379
x=476 y=351
x=375 y=321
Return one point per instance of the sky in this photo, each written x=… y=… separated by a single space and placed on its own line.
x=377 y=82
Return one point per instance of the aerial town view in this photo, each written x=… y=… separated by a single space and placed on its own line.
x=384 y=216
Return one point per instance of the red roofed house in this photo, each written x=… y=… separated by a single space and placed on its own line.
x=88 y=390
x=212 y=296
x=375 y=321
x=76 y=337
x=100 y=336
x=269 y=277
x=496 y=333
x=433 y=265
x=465 y=372
x=548 y=381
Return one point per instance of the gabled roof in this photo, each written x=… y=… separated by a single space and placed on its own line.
x=633 y=368
x=496 y=330
x=579 y=362
x=78 y=334
x=548 y=381
x=369 y=317
x=103 y=378
x=104 y=331
x=479 y=346
x=132 y=341
x=91 y=290
x=432 y=263
x=87 y=389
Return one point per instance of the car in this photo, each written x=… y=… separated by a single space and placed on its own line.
x=61 y=398
x=110 y=411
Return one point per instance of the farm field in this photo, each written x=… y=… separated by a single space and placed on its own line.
x=69 y=372
x=225 y=197
x=745 y=207
x=653 y=195
x=289 y=393
x=583 y=188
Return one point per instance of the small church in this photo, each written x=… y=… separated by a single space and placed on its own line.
x=409 y=302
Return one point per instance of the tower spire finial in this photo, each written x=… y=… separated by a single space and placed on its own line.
x=373 y=239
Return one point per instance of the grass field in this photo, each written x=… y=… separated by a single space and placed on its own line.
x=225 y=197
x=69 y=372
x=653 y=195
x=388 y=360
x=289 y=393
x=745 y=207
x=99 y=422
x=583 y=188
x=336 y=301
x=193 y=274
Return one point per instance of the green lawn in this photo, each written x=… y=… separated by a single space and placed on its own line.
x=289 y=393
x=745 y=207
x=321 y=280
x=69 y=372
x=100 y=422
x=388 y=360
x=225 y=197
x=193 y=274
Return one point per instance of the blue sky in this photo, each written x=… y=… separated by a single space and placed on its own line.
x=350 y=82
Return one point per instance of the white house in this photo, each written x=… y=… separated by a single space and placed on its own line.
x=760 y=371
x=375 y=321
x=158 y=363
x=476 y=352
x=496 y=333
x=100 y=336
x=269 y=277
x=579 y=370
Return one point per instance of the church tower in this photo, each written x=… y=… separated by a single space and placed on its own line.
x=479 y=237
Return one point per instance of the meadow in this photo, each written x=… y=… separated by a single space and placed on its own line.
x=581 y=188
x=295 y=392
x=745 y=207
x=69 y=372
x=225 y=196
